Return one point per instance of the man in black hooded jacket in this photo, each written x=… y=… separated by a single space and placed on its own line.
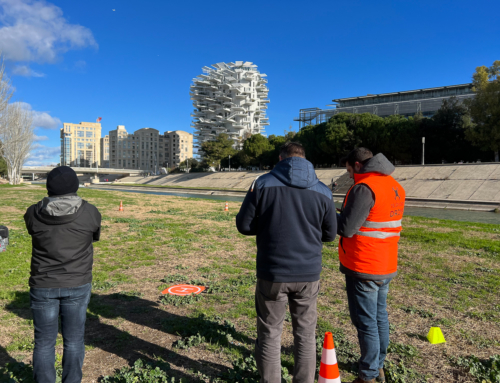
x=291 y=212
x=62 y=228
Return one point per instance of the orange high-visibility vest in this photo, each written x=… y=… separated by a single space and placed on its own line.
x=374 y=248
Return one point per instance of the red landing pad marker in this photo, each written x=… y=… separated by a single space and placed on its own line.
x=183 y=290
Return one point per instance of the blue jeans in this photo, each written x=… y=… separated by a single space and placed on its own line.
x=367 y=306
x=47 y=304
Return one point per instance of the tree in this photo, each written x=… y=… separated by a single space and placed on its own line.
x=189 y=163
x=220 y=148
x=256 y=148
x=17 y=136
x=240 y=159
x=445 y=134
x=485 y=109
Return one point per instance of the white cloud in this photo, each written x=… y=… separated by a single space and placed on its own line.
x=35 y=30
x=40 y=138
x=26 y=71
x=43 y=155
x=43 y=119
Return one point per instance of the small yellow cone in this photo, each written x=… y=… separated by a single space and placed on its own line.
x=435 y=336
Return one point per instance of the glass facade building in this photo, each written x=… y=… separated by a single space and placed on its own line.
x=406 y=103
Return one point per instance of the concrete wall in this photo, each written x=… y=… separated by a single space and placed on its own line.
x=465 y=182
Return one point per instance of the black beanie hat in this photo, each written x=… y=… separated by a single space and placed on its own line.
x=62 y=180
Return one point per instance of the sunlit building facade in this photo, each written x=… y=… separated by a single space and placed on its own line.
x=148 y=150
x=81 y=144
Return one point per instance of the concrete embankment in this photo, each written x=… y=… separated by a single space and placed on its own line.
x=453 y=186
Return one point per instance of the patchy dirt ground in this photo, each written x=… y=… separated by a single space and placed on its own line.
x=448 y=277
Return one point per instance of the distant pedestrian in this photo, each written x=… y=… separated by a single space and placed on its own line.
x=369 y=226
x=291 y=212
x=62 y=227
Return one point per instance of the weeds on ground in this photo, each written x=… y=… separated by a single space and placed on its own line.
x=484 y=370
x=406 y=351
x=16 y=372
x=142 y=372
x=421 y=312
x=180 y=300
x=399 y=373
x=245 y=371
x=21 y=343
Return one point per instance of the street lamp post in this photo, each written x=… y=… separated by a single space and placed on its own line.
x=229 y=162
x=423 y=150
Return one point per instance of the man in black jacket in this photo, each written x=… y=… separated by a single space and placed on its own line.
x=291 y=212
x=62 y=227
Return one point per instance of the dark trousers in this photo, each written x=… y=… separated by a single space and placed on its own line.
x=270 y=303
x=368 y=308
x=47 y=305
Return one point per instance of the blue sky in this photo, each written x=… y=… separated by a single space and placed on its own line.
x=132 y=62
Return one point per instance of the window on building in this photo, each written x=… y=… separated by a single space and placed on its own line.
x=89 y=134
x=80 y=134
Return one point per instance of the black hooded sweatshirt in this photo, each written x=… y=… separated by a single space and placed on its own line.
x=291 y=212
x=62 y=251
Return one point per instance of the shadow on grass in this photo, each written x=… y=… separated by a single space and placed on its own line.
x=143 y=313
x=5 y=357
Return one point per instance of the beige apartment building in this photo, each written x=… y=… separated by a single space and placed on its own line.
x=147 y=149
x=81 y=144
x=178 y=147
x=105 y=152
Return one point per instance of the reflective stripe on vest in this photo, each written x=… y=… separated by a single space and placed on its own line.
x=382 y=225
x=377 y=234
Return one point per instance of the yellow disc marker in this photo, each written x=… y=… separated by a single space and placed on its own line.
x=435 y=336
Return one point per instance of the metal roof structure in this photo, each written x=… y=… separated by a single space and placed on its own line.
x=426 y=101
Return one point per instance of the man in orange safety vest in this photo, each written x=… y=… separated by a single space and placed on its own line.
x=369 y=226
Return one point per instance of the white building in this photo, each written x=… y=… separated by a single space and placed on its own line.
x=229 y=98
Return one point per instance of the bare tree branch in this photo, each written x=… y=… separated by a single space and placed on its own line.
x=5 y=93
x=17 y=137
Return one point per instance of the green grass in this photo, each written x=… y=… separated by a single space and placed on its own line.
x=448 y=276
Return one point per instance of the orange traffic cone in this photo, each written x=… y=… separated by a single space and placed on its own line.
x=121 y=206
x=329 y=369
x=227 y=207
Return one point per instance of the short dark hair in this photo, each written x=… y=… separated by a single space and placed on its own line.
x=292 y=149
x=361 y=155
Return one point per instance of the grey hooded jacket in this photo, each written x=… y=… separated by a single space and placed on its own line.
x=357 y=208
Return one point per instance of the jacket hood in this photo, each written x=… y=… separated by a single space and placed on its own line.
x=61 y=205
x=378 y=164
x=296 y=172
